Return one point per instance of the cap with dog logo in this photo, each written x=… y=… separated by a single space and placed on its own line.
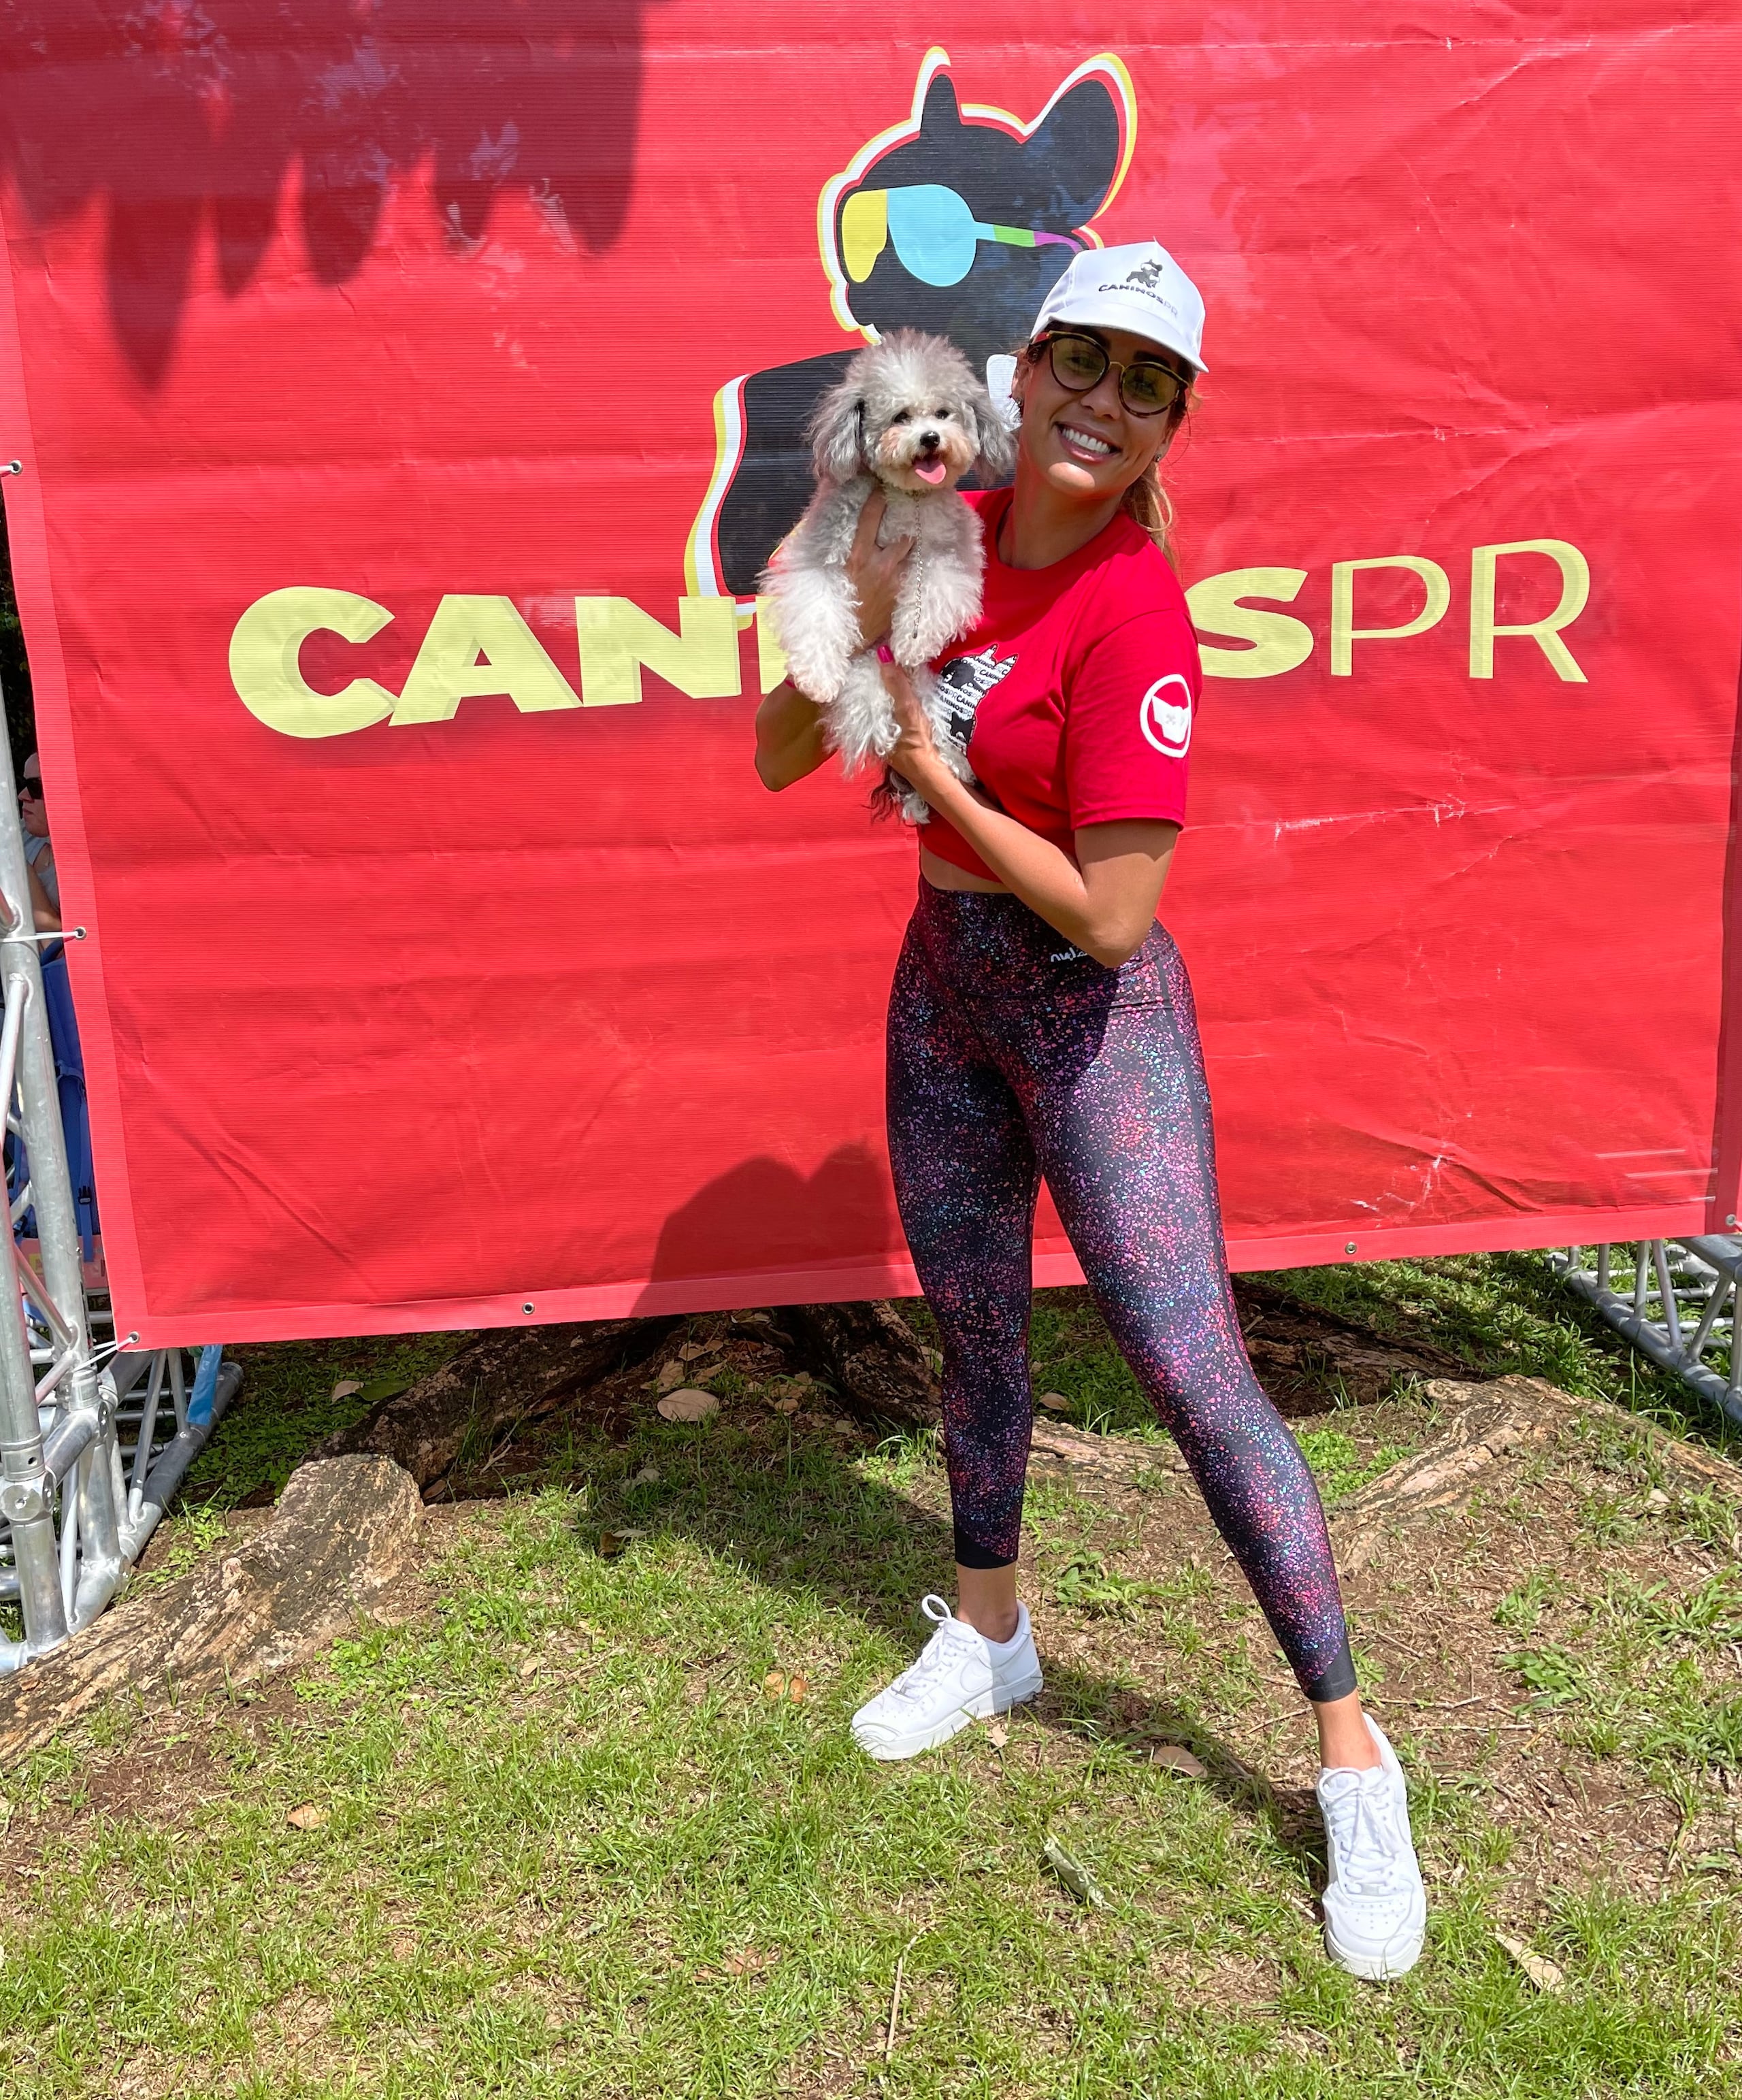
x=1138 y=287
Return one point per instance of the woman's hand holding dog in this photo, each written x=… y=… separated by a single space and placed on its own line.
x=1105 y=899
x=874 y=572
x=915 y=757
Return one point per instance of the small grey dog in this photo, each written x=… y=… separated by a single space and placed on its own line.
x=909 y=414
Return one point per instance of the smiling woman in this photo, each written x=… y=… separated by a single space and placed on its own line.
x=1041 y=1022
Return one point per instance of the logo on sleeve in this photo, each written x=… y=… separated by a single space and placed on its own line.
x=1165 y=717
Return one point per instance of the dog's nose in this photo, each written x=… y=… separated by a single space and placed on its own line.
x=929 y=441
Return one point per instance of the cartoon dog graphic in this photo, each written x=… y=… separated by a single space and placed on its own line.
x=955 y=223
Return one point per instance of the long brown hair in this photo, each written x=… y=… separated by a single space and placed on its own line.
x=1148 y=504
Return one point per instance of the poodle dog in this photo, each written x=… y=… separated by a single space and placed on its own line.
x=910 y=415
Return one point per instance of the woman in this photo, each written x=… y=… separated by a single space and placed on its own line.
x=1041 y=1021
x=39 y=853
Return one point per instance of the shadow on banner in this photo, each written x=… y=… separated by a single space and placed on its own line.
x=552 y=110
x=781 y=1223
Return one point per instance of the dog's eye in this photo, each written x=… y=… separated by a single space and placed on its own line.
x=942 y=415
x=901 y=416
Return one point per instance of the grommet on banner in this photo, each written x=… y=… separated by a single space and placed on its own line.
x=527 y=1306
x=1350 y=1247
x=11 y=466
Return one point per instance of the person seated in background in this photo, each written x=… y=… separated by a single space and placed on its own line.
x=39 y=851
x=57 y=996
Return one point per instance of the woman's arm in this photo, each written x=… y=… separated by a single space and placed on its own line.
x=42 y=908
x=1105 y=906
x=790 y=741
x=789 y=737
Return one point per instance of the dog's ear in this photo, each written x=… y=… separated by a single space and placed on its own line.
x=837 y=433
x=997 y=441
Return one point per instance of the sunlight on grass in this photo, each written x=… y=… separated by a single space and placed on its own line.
x=571 y=1833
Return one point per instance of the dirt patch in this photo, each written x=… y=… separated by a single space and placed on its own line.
x=1441 y=1624
x=1300 y=1352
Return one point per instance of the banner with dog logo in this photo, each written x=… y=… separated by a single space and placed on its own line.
x=407 y=395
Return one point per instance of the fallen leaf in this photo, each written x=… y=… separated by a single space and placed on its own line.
x=749 y=1963
x=997 y=1734
x=1054 y=1403
x=798 y=1689
x=688 y=1403
x=786 y=1407
x=308 y=1817
x=671 y=1373
x=1177 y=1757
x=531 y=1664
x=611 y=1543
x=775 y=1684
x=844 y=1424
x=346 y=1387
x=1073 y=1873
x=1544 y=1973
x=802 y=1380
x=646 y=1477
x=385 y=1387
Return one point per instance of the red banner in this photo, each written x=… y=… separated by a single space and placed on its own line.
x=406 y=392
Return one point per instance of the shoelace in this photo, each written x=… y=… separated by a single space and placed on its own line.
x=1362 y=1817
x=939 y=1653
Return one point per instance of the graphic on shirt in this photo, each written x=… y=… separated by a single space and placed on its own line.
x=1167 y=723
x=964 y=681
x=957 y=221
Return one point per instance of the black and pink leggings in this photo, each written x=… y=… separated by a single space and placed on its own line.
x=1012 y=1055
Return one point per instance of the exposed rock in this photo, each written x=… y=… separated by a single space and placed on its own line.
x=341 y=1531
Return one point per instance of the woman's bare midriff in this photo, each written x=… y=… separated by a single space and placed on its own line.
x=945 y=875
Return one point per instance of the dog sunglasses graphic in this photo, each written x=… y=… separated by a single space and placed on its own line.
x=932 y=231
x=955 y=223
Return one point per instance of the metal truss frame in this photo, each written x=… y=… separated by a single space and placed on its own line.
x=1676 y=1299
x=90 y=1453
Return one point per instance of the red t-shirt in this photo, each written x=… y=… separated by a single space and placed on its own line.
x=1077 y=691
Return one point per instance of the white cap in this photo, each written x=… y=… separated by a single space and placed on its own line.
x=1138 y=287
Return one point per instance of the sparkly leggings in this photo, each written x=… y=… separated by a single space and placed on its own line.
x=1012 y=1055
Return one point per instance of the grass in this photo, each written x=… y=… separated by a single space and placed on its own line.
x=1504 y=1313
x=566 y=1842
x=294 y=1402
x=1629 y=1669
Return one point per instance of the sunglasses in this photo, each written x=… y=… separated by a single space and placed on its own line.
x=932 y=231
x=1146 y=386
x=30 y=791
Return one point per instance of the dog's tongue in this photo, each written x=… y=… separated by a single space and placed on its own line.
x=930 y=471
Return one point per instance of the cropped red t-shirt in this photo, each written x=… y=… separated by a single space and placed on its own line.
x=1076 y=691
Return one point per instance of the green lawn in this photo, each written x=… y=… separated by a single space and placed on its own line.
x=571 y=1831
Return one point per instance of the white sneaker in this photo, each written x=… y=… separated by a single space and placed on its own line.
x=1375 y=1907
x=960 y=1677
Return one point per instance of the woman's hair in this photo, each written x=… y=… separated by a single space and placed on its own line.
x=1146 y=502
